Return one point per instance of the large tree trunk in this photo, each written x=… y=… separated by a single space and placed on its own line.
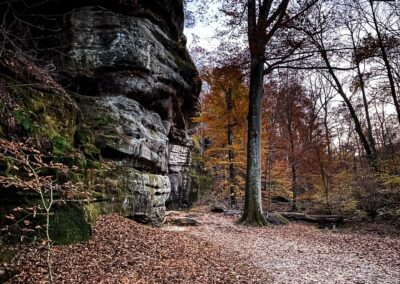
x=259 y=19
x=252 y=214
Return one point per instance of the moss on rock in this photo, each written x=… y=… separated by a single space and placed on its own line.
x=60 y=145
x=68 y=225
x=92 y=211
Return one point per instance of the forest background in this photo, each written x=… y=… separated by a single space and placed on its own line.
x=330 y=110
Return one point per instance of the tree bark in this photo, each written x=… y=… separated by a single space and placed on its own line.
x=294 y=187
x=268 y=180
x=325 y=181
x=253 y=214
x=262 y=24
x=292 y=159
x=327 y=134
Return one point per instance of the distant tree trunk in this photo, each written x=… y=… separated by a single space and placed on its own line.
x=326 y=126
x=231 y=154
x=288 y=102
x=292 y=165
x=294 y=187
x=325 y=181
x=353 y=114
x=317 y=40
x=268 y=179
x=364 y=97
x=381 y=121
x=326 y=178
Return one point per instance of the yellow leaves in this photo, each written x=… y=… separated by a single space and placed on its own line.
x=224 y=111
x=391 y=180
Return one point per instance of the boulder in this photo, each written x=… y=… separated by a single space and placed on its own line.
x=183 y=221
x=219 y=208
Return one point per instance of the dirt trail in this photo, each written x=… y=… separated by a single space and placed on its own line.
x=299 y=253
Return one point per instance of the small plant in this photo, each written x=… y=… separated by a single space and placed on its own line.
x=26 y=163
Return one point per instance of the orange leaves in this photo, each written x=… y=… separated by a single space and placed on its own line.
x=25 y=164
x=224 y=124
x=122 y=251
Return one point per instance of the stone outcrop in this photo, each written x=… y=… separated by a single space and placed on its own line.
x=134 y=87
x=135 y=139
x=127 y=132
x=179 y=162
x=131 y=193
x=148 y=88
x=123 y=55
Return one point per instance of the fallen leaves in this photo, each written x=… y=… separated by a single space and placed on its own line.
x=218 y=251
x=299 y=253
x=122 y=251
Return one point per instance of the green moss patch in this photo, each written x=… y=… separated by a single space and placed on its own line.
x=68 y=226
x=6 y=255
x=60 y=145
x=25 y=120
x=92 y=212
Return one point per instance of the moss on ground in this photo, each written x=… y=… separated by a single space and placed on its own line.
x=6 y=254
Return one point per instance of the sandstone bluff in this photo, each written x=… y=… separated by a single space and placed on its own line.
x=118 y=88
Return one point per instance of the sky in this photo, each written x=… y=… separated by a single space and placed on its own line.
x=203 y=32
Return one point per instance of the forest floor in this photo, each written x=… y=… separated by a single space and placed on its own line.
x=217 y=251
x=302 y=253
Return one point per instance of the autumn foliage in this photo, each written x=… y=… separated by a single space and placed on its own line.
x=303 y=161
x=223 y=128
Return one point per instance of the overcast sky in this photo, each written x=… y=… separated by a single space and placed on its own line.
x=203 y=31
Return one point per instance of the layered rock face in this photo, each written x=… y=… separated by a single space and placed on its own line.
x=127 y=67
x=146 y=87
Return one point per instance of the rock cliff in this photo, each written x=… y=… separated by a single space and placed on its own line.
x=132 y=88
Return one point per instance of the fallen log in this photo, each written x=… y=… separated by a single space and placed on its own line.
x=322 y=220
